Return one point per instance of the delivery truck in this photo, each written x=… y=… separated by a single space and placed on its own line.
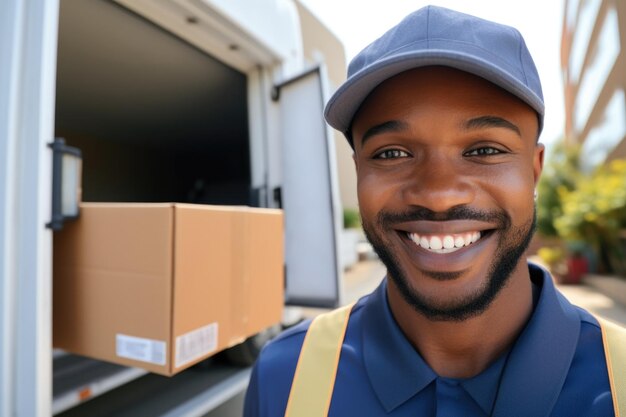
x=184 y=108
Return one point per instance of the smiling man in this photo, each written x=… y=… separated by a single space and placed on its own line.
x=443 y=112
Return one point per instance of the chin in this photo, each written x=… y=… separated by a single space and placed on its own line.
x=457 y=294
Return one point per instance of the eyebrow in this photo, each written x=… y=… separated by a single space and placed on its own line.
x=386 y=127
x=491 y=121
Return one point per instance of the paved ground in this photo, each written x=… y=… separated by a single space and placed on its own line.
x=365 y=276
x=362 y=279
x=595 y=302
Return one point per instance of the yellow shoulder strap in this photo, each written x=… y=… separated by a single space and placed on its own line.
x=614 y=340
x=314 y=379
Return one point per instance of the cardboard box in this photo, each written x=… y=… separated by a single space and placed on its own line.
x=163 y=286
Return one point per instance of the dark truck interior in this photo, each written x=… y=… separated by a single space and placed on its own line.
x=156 y=119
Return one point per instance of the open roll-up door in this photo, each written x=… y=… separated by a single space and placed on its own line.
x=309 y=193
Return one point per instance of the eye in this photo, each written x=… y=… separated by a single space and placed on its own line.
x=391 y=154
x=484 y=151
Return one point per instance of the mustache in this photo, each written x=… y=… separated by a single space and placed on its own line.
x=386 y=218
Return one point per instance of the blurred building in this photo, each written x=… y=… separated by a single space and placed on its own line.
x=593 y=62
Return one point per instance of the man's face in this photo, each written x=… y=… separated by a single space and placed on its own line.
x=446 y=166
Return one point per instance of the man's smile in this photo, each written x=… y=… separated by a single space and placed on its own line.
x=447 y=246
x=446 y=243
x=444 y=237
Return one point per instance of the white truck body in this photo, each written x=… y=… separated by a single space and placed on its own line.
x=289 y=149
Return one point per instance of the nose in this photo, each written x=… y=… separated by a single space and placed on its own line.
x=438 y=183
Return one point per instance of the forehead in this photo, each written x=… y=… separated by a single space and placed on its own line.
x=445 y=92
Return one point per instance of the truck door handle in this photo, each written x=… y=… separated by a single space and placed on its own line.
x=278 y=196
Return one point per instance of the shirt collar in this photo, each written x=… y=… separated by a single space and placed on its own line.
x=484 y=386
x=541 y=357
x=397 y=371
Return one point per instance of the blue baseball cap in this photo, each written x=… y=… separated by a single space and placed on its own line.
x=439 y=36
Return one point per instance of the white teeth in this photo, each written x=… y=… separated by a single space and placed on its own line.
x=446 y=243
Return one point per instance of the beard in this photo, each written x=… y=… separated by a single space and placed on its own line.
x=512 y=245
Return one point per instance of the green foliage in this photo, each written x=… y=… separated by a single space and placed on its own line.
x=584 y=208
x=351 y=219
x=551 y=256
x=595 y=211
x=561 y=173
x=599 y=200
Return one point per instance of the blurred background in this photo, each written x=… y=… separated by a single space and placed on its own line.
x=212 y=102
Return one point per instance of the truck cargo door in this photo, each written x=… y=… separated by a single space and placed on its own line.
x=309 y=193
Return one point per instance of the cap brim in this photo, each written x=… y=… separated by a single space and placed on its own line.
x=346 y=101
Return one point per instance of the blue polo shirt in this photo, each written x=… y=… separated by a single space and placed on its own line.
x=556 y=368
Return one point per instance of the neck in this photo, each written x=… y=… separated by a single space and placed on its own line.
x=464 y=349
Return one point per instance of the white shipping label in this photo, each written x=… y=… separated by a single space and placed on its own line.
x=195 y=344
x=141 y=349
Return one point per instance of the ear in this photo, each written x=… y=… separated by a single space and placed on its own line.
x=538 y=161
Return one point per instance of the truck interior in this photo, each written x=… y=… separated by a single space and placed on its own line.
x=156 y=119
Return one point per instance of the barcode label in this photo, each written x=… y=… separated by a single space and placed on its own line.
x=141 y=349
x=195 y=344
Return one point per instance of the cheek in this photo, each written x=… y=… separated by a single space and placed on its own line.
x=514 y=191
x=367 y=195
x=374 y=192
